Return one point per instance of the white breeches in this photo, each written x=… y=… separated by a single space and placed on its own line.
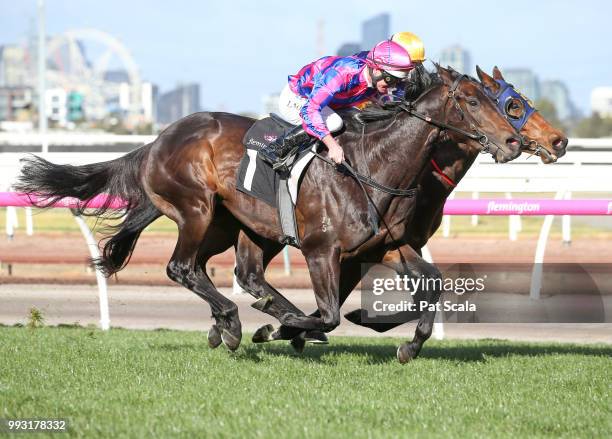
x=290 y=104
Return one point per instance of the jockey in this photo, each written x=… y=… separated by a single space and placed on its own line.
x=333 y=82
x=415 y=47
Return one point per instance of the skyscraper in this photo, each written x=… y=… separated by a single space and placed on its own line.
x=557 y=93
x=375 y=30
x=525 y=81
x=458 y=58
x=177 y=103
x=13 y=67
x=348 y=49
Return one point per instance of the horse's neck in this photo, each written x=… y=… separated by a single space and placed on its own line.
x=399 y=159
x=461 y=159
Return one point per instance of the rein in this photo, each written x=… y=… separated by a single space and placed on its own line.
x=481 y=138
x=475 y=135
x=344 y=166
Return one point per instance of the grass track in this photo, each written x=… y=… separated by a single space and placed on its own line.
x=167 y=383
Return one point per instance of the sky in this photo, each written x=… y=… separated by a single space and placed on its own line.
x=240 y=50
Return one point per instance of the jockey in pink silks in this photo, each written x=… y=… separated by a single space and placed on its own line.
x=332 y=82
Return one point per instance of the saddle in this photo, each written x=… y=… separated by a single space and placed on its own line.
x=257 y=178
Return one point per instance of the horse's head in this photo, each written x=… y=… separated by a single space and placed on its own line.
x=538 y=136
x=470 y=109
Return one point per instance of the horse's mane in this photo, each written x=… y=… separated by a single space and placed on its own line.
x=419 y=82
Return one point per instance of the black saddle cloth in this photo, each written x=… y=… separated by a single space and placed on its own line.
x=256 y=176
x=265 y=131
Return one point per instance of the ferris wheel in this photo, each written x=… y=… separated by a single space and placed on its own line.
x=80 y=60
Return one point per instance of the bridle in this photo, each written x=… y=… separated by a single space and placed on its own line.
x=502 y=98
x=409 y=107
x=476 y=134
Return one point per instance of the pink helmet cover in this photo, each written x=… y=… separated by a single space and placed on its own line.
x=388 y=55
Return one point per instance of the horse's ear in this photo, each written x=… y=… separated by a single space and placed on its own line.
x=497 y=74
x=486 y=80
x=445 y=74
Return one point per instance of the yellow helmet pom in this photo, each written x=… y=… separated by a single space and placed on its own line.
x=413 y=45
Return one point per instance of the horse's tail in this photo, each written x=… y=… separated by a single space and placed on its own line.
x=118 y=248
x=119 y=178
x=50 y=182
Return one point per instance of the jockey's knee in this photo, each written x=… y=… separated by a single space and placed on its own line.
x=334 y=123
x=332 y=120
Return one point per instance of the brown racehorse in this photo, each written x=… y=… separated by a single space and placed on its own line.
x=455 y=163
x=453 y=159
x=189 y=174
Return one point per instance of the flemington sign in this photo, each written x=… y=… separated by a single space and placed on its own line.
x=528 y=207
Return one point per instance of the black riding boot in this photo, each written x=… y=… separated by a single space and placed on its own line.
x=281 y=148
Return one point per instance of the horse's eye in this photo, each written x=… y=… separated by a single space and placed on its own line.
x=514 y=109
x=473 y=102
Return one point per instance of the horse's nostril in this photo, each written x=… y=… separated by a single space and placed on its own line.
x=559 y=143
x=513 y=141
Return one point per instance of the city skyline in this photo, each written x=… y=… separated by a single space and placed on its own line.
x=173 y=44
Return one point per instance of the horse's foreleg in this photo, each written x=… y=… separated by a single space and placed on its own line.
x=427 y=296
x=324 y=268
x=350 y=275
x=252 y=258
x=396 y=260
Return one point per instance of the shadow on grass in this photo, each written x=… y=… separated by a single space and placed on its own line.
x=385 y=352
x=382 y=351
x=499 y=348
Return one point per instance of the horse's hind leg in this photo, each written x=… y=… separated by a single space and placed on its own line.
x=220 y=236
x=185 y=268
x=253 y=254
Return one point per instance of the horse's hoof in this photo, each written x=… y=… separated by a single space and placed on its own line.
x=263 y=334
x=263 y=303
x=229 y=340
x=298 y=343
x=354 y=316
x=316 y=337
x=406 y=353
x=214 y=337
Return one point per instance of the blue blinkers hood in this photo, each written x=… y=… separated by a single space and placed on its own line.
x=505 y=93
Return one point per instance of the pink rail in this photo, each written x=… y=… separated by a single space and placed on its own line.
x=501 y=207
x=20 y=200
